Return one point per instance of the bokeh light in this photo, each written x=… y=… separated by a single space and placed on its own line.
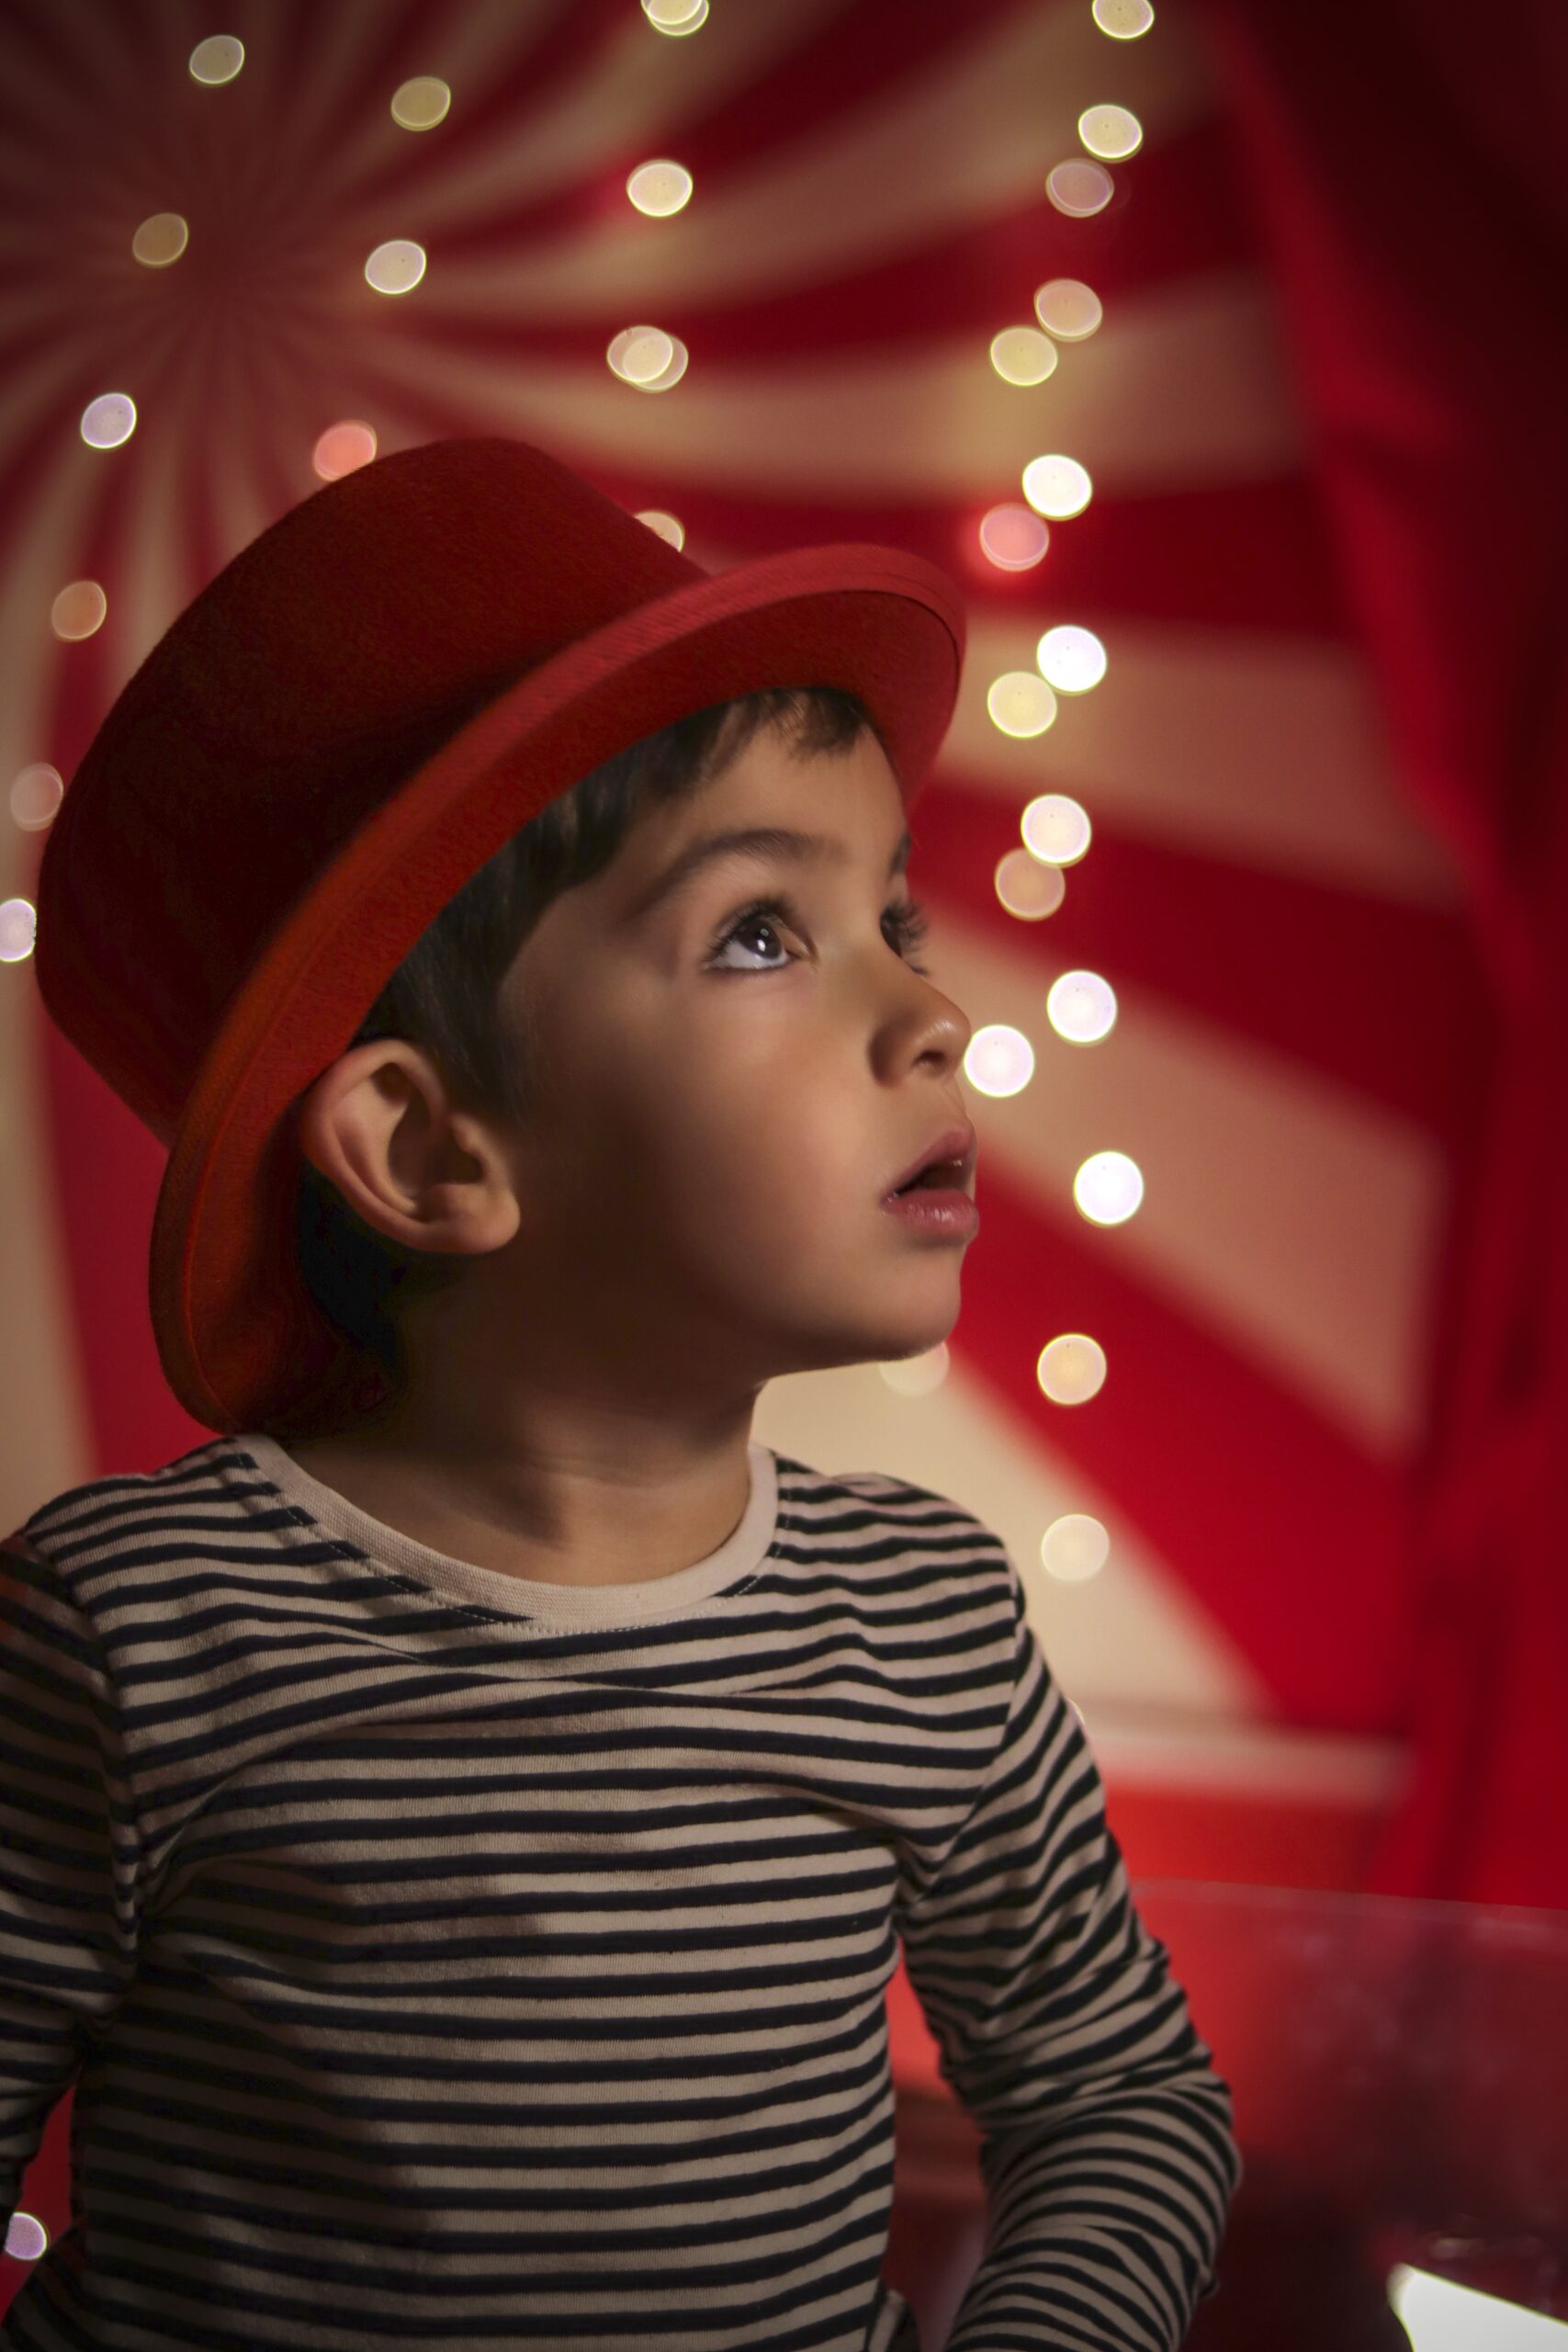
x=999 y=1061
x=110 y=420
x=676 y=16
x=161 y=239
x=1068 y=309
x=26 y=2236
x=1057 y=486
x=1023 y=356
x=78 y=611
x=395 y=267
x=669 y=526
x=35 y=795
x=217 y=60
x=18 y=927
x=343 y=448
x=1072 y=1368
x=1109 y=1188
x=1055 y=830
x=1072 y=660
x=1013 y=537
x=1111 y=131
x=421 y=104
x=917 y=1376
x=1026 y=887
x=1020 y=704
x=648 y=357
x=659 y=188
x=1124 y=19
x=1081 y=1007
x=1078 y=188
x=1074 y=1548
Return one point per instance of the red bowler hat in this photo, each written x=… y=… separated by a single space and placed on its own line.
x=294 y=784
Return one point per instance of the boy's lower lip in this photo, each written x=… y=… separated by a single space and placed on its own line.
x=926 y=1210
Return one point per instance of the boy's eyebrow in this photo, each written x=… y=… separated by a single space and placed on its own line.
x=750 y=841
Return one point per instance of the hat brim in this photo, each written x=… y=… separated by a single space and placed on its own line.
x=241 y=1341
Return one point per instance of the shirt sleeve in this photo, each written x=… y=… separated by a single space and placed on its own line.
x=69 y=1851
x=1106 y=2148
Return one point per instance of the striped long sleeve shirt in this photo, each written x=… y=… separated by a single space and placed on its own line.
x=444 y=1959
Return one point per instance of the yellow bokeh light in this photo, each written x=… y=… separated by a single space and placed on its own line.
x=421 y=104
x=666 y=526
x=1081 y=1007
x=395 y=267
x=1026 y=887
x=659 y=188
x=1023 y=356
x=999 y=1061
x=1072 y=1369
x=161 y=239
x=1057 y=486
x=1055 y=830
x=19 y=929
x=110 y=420
x=343 y=448
x=1071 y=659
x=677 y=16
x=648 y=357
x=1074 y=1548
x=1124 y=19
x=1068 y=308
x=78 y=611
x=1020 y=704
x=35 y=795
x=1110 y=132
x=217 y=60
x=1109 y=1188
x=1078 y=188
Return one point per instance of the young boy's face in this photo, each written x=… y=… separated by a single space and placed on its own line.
x=700 y=1193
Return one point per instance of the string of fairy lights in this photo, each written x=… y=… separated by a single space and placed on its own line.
x=1014 y=535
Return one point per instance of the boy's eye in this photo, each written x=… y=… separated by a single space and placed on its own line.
x=907 y=917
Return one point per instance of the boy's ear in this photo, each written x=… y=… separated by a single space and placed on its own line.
x=379 y=1124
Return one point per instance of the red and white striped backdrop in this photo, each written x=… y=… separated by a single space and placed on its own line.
x=1300 y=1036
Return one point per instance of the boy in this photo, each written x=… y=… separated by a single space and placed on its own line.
x=459 y=1820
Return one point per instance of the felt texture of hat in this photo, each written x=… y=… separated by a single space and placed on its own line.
x=352 y=716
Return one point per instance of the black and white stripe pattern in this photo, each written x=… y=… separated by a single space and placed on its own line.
x=451 y=1961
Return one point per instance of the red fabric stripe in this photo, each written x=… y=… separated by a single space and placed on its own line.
x=1285 y=1532
x=1378 y=997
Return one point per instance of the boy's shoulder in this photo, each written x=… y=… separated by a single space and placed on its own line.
x=86 y=1520
x=848 y=1505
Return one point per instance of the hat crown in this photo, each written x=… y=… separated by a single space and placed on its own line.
x=316 y=672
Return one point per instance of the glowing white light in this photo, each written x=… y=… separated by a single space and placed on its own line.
x=999 y=1061
x=1073 y=660
x=1109 y=1188
x=161 y=239
x=1124 y=19
x=1020 y=704
x=421 y=104
x=26 y=2236
x=1078 y=188
x=917 y=1376
x=1073 y=1549
x=344 y=448
x=639 y=355
x=659 y=188
x=1013 y=537
x=1055 y=829
x=1057 y=486
x=1026 y=888
x=666 y=526
x=1111 y=131
x=217 y=60
x=1081 y=1007
x=1072 y=1369
x=676 y=16
x=18 y=927
x=35 y=795
x=1439 y=2315
x=1023 y=356
x=78 y=611
x=395 y=268
x=109 y=421
x=1068 y=309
